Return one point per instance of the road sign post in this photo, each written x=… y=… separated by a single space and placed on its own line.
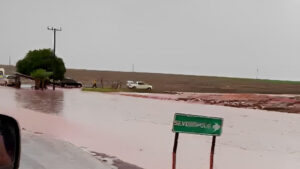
x=175 y=150
x=192 y=124
x=212 y=152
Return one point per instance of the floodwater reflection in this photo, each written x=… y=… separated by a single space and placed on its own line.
x=46 y=101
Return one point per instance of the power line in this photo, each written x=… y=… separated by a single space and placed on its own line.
x=54 y=44
x=54 y=37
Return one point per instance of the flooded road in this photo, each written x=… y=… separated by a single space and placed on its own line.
x=138 y=130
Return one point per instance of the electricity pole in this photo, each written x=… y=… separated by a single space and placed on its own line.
x=54 y=44
x=132 y=67
x=54 y=33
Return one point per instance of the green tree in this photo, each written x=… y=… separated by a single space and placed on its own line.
x=42 y=59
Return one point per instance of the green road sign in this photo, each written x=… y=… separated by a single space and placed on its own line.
x=185 y=123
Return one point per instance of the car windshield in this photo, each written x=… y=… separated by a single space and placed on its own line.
x=10 y=77
x=69 y=80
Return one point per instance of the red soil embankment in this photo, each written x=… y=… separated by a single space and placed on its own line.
x=281 y=103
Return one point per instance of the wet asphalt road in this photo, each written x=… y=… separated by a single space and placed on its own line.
x=40 y=152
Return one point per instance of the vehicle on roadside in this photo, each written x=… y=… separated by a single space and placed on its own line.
x=140 y=85
x=129 y=82
x=10 y=80
x=68 y=82
x=2 y=73
x=2 y=76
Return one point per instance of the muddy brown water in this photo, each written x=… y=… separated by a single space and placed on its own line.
x=139 y=130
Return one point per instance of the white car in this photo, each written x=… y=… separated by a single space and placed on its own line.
x=140 y=85
x=2 y=82
x=129 y=82
x=10 y=80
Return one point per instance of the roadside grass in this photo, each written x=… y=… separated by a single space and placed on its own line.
x=111 y=90
x=280 y=81
x=236 y=79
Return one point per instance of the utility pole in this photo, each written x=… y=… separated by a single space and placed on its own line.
x=54 y=38
x=54 y=44
x=9 y=61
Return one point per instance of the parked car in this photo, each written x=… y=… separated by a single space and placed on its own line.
x=129 y=82
x=10 y=80
x=69 y=82
x=140 y=85
x=2 y=81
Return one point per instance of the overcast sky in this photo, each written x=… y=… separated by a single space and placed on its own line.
x=201 y=37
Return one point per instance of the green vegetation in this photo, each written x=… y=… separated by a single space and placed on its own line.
x=101 y=90
x=248 y=80
x=115 y=90
x=42 y=59
x=280 y=81
x=41 y=74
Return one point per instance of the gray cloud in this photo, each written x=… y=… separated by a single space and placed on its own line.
x=221 y=38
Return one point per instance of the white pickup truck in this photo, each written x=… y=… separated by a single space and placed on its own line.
x=139 y=85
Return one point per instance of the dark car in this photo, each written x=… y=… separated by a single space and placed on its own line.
x=69 y=82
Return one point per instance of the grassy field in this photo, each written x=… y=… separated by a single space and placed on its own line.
x=111 y=90
x=183 y=83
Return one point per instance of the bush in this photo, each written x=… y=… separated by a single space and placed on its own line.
x=41 y=74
